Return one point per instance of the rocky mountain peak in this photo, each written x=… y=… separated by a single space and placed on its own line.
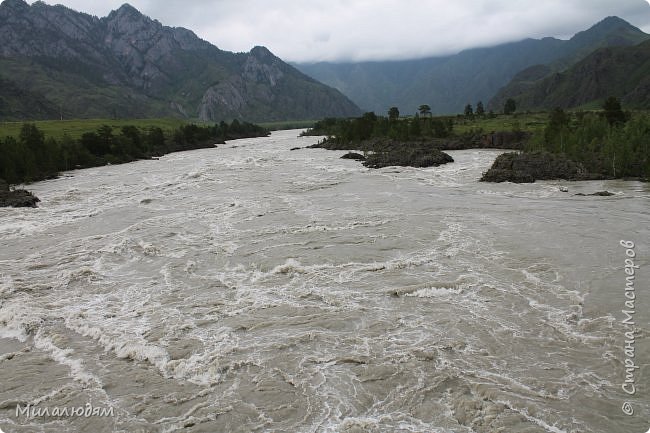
x=15 y=4
x=262 y=53
x=12 y=9
x=613 y=22
x=127 y=19
x=126 y=10
x=609 y=27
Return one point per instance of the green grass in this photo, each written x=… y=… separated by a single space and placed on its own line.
x=288 y=124
x=76 y=128
x=530 y=122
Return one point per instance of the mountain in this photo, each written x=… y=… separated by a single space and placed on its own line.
x=623 y=72
x=446 y=84
x=58 y=62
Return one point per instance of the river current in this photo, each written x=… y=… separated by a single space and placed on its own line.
x=250 y=288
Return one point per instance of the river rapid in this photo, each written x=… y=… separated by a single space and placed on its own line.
x=250 y=288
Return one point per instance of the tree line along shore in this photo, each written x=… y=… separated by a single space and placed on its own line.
x=32 y=156
x=571 y=145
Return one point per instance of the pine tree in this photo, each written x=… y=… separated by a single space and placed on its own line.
x=510 y=106
x=480 y=110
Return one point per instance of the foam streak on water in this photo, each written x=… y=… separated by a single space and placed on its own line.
x=253 y=288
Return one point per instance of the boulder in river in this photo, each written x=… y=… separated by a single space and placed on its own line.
x=16 y=198
x=353 y=155
x=599 y=193
x=405 y=157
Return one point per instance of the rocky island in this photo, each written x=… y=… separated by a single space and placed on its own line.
x=17 y=197
x=600 y=144
x=528 y=167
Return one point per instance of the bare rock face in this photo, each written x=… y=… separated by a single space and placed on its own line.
x=261 y=66
x=254 y=86
x=272 y=90
x=20 y=22
x=223 y=100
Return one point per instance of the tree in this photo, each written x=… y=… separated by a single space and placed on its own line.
x=131 y=140
x=32 y=137
x=480 y=110
x=424 y=110
x=393 y=113
x=510 y=106
x=154 y=137
x=613 y=111
x=557 y=130
x=31 y=141
x=469 y=112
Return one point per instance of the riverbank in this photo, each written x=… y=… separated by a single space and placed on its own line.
x=32 y=155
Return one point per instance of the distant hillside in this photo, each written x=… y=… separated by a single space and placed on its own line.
x=448 y=83
x=58 y=62
x=623 y=72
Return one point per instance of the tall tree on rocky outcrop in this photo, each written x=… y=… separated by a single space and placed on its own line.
x=393 y=113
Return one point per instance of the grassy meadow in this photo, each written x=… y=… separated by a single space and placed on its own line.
x=57 y=129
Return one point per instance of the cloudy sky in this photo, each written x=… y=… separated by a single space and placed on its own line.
x=343 y=30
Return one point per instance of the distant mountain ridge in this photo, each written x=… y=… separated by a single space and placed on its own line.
x=446 y=84
x=55 y=61
x=622 y=72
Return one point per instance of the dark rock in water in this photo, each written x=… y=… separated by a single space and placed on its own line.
x=353 y=155
x=599 y=193
x=295 y=148
x=16 y=198
x=405 y=157
x=527 y=167
x=506 y=175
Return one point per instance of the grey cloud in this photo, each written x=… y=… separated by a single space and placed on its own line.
x=337 y=30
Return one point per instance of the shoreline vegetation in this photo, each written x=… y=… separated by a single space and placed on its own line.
x=32 y=156
x=569 y=145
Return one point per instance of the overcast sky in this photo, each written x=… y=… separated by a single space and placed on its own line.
x=342 y=30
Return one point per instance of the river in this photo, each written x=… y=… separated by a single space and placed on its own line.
x=250 y=288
